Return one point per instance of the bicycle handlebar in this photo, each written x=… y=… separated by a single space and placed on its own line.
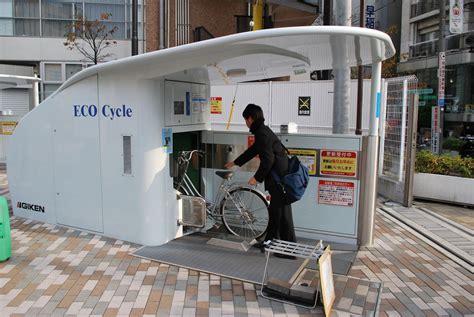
x=187 y=155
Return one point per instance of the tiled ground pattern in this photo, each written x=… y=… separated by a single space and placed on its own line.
x=60 y=271
x=418 y=280
x=56 y=271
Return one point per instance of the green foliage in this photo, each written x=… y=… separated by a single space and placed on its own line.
x=427 y=162
x=453 y=143
x=389 y=66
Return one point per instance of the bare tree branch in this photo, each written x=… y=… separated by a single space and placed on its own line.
x=90 y=38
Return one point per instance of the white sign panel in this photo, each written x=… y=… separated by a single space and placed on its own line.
x=332 y=192
x=456 y=16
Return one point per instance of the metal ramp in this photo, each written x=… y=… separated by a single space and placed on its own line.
x=451 y=239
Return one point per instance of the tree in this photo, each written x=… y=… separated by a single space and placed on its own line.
x=389 y=66
x=91 y=38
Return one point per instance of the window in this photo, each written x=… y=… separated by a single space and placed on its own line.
x=26 y=13
x=52 y=72
x=48 y=89
x=55 y=28
x=71 y=69
x=51 y=18
x=58 y=16
x=6 y=21
x=26 y=8
x=6 y=26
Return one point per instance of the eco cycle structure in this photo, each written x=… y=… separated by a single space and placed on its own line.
x=99 y=154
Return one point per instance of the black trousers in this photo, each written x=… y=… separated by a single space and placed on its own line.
x=280 y=224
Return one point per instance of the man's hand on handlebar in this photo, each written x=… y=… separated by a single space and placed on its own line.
x=229 y=165
x=252 y=181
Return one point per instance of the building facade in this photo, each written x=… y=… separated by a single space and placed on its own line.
x=187 y=21
x=419 y=51
x=32 y=33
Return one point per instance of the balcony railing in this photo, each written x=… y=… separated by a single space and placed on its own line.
x=458 y=42
x=422 y=7
x=424 y=49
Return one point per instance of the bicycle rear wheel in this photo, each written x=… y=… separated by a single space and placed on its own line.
x=245 y=213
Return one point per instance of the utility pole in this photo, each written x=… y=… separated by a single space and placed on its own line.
x=134 y=27
x=342 y=76
x=437 y=115
x=324 y=74
x=360 y=79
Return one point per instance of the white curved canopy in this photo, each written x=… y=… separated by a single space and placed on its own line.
x=257 y=55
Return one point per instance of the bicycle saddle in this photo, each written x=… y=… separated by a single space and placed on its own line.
x=225 y=174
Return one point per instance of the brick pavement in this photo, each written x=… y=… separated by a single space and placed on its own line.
x=61 y=271
x=57 y=271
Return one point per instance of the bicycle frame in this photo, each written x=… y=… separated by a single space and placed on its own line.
x=224 y=189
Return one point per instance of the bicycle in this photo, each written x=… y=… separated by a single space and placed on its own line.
x=242 y=209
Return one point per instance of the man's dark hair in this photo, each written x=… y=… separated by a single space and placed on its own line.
x=253 y=111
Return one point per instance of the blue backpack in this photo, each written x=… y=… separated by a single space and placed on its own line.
x=293 y=185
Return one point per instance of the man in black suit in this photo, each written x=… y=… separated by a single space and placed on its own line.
x=272 y=155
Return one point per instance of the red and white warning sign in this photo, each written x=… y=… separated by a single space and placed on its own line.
x=336 y=193
x=338 y=163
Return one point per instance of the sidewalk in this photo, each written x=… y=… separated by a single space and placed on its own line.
x=56 y=271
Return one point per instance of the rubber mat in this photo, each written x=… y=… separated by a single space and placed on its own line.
x=192 y=252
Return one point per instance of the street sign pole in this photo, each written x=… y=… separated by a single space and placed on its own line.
x=441 y=81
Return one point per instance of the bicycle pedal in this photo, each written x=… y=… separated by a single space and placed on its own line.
x=216 y=226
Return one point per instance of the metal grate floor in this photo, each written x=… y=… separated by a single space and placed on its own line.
x=192 y=252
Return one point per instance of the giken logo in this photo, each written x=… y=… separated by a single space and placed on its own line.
x=27 y=206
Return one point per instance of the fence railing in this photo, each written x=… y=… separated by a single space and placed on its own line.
x=394 y=126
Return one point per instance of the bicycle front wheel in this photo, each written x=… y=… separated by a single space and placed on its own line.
x=245 y=213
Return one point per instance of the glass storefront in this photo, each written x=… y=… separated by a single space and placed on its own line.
x=458 y=117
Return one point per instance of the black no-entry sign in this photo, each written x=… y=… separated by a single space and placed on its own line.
x=304 y=106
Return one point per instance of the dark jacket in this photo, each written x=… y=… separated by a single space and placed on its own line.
x=270 y=151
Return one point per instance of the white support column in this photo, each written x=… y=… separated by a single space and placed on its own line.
x=375 y=99
x=35 y=92
x=403 y=131
x=367 y=217
x=383 y=115
x=342 y=76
